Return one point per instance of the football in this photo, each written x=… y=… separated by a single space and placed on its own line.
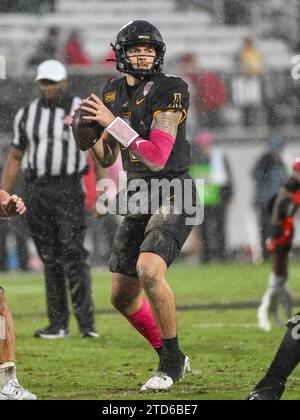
x=86 y=133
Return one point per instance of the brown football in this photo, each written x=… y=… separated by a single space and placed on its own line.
x=86 y=133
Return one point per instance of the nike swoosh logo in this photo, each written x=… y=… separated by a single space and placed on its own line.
x=139 y=101
x=141 y=141
x=170 y=198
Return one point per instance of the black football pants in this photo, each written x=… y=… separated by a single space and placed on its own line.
x=57 y=222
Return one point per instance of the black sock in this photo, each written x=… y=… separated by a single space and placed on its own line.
x=287 y=357
x=171 y=344
x=159 y=350
x=172 y=360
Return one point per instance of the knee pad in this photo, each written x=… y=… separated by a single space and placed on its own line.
x=2 y=328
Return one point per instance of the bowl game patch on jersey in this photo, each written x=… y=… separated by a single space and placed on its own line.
x=110 y=97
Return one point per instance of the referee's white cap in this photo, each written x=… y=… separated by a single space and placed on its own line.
x=51 y=70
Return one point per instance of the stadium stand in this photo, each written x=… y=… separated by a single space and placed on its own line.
x=98 y=21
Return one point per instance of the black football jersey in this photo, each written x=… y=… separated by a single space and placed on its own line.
x=138 y=106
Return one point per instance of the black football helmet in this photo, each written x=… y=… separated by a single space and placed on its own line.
x=139 y=32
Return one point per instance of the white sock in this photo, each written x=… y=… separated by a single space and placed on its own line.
x=277 y=282
x=7 y=373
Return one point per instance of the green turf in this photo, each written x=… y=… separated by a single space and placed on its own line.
x=228 y=354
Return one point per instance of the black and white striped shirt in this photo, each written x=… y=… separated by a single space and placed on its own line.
x=43 y=132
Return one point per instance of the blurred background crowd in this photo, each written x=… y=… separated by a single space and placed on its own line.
x=244 y=119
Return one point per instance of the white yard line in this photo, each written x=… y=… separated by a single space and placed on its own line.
x=224 y=325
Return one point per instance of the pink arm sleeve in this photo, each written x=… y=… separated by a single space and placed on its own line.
x=154 y=152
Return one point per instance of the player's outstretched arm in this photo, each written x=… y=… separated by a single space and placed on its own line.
x=11 y=169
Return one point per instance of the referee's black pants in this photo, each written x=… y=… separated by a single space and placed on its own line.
x=55 y=210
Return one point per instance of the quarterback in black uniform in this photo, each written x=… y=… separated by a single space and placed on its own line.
x=144 y=115
x=272 y=386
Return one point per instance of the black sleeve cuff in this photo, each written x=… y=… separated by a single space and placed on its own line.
x=292 y=185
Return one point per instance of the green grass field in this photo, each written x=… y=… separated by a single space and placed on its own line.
x=228 y=353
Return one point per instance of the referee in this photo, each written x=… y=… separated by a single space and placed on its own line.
x=55 y=199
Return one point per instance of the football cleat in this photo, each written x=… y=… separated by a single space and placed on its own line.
x=14 y=391
x=161 y=381
x=271 y=393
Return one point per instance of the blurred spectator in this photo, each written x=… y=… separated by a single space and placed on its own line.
x=247 y=86
x=269 y=173
x=47 y=48
x=250 y=59
x=210 y=164
x=280 y=100
x=74 y=53
x=236 y=12
x=208 y=91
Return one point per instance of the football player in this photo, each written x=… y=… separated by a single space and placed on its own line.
x=279 y=244
x=272 y=386
x=144 y=115
x=10 y=389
